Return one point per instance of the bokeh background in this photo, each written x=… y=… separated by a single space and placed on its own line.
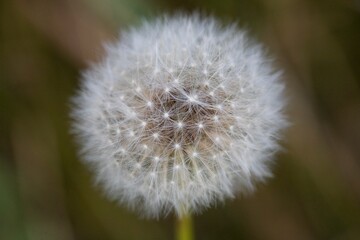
x=46 y=193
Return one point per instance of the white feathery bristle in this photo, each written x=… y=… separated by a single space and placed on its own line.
x=181 y=113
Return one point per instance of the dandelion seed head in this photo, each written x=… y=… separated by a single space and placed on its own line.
x=181 y=113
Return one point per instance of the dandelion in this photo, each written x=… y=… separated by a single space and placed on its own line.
x=181 y=113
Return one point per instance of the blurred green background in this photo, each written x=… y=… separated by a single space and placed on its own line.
x=46 y=193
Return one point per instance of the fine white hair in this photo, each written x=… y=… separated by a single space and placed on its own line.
x=181 y=113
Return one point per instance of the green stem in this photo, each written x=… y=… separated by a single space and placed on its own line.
x=184 y=229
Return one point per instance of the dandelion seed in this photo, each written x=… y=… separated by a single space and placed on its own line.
x=155 y=135
x=166 y=115
x=180 y=124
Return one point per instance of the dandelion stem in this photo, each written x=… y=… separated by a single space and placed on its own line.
x=184 y=229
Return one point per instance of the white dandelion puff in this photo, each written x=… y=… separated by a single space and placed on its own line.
x=181 y=113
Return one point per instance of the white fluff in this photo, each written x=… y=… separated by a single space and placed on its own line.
x=181 y=113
